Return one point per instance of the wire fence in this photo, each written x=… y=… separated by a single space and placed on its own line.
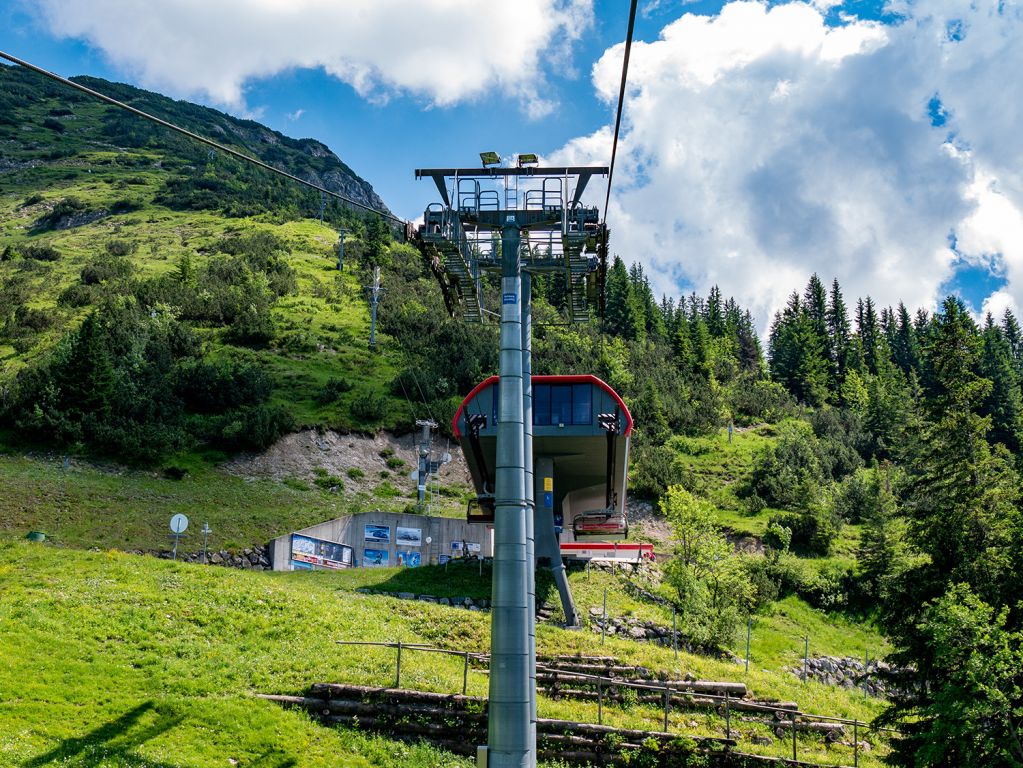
x=669 y=692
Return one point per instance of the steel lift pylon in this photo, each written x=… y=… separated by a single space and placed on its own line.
x=514 y=222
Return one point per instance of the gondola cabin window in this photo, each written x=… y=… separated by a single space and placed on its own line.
x=557 y=404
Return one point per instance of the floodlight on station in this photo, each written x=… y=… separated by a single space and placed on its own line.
x=490 y=158
x=528 y=158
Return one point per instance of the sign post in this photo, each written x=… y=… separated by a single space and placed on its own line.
x=178 y=526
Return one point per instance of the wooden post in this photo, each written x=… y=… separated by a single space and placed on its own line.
x=674 y=632
x=749 y=636
x=603 y=626
x=728 y=718
x=465 y=673
x=600 y=701
x=856 y=743
x=793 y=737
x=397 y=676
x=667 y=702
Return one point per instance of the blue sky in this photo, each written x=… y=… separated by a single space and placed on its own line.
x=762 y=142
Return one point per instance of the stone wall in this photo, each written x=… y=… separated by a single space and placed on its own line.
x=471 y=604
x=251 y=559
x=847 y=672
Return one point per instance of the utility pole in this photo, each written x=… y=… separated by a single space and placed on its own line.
x=425 y=439
x=545 y=224
x=374 y=292
x=341 y=250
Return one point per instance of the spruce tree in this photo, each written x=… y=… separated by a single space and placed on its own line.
x=620 y=316
x=1004 y=403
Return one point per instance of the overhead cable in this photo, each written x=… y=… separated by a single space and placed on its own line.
x=621 y=103
x=197 y=137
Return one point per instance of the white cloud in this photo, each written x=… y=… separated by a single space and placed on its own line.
x=443 y=51
x=293 y=116
x=761 y=145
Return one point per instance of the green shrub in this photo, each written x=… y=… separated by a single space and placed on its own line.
x=754 y=505
x=121 y=248
x=355 y=473
x=814 y=529
x=75 y=295
x=125 y=205
x=41 y=252
x=329 y=482
x=105 y=270
x=253 y=327
x=69 y=206
x=332 y=390
x=394 y=463
x=386 y=491
x=369 y=406
x=212 y=387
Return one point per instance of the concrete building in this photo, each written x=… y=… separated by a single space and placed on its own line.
x=380 y=539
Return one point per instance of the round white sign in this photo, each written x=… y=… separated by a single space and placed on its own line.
x=429 y=540
x=178 y=523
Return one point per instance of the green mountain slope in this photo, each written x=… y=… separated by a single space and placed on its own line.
x=117 y=660
x=221 y=316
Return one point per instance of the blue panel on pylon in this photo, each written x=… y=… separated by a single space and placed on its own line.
x=548 y=499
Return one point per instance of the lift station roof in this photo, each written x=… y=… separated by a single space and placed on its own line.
x=570 y=414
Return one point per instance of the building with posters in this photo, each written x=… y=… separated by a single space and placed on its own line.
x=380 y=539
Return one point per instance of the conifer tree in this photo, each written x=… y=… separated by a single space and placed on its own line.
x=620 y=316
x=1004 y=404
x=838 y=334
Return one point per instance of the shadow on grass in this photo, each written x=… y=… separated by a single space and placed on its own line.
x=466 y=577
x=273 y=759
x=115 y=743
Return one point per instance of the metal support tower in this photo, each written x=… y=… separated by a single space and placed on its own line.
x=425 y=439
x=374 y=292
x=535 y=223
x=341 y=250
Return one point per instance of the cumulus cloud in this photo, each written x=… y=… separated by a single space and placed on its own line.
x=761 y=145
x=443 y=51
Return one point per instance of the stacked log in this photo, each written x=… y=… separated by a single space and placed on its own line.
x=458 y=723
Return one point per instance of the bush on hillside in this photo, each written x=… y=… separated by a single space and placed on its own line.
x=369 y=406
x=40 y=252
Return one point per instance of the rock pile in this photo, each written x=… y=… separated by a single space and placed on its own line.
x=252 y=559
x=636 y=629
x=846 y=672
x=469 y=603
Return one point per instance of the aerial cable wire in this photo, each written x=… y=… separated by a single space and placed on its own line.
x=614 y=151
x=621 y=103
x=196 y=137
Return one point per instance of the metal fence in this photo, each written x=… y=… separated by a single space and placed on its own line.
x=667 y=691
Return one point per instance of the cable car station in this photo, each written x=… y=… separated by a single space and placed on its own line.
x=581 y=431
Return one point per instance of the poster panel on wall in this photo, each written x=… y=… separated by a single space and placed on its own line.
x=408 y=537
x=473 y=547
x=374 y=557
x=380 y=534
x=310 y=553
x=456 y=547
x=409 y=559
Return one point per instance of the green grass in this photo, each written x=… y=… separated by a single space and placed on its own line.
x=117 y=660
x=112 y=660
x=111 y=506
